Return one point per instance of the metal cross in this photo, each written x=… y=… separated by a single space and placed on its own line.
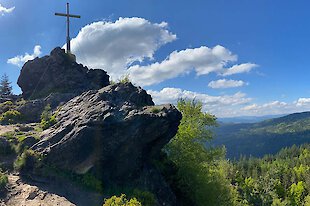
x=68 y=15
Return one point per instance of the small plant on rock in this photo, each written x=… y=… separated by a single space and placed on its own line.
x=155 y=110
x=47 y=118
x=3 y=181
x=28 y=161
x=124 y=79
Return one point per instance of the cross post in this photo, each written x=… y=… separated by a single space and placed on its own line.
x=68 y=15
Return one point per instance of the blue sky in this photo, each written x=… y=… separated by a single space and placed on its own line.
x=238 y=57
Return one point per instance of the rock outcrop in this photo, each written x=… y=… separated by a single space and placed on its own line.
x=112 y=133
x=58 y=73
x=32 y=109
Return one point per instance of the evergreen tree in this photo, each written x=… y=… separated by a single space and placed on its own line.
x=5 y=85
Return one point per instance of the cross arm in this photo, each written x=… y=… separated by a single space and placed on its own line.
x=70 y=15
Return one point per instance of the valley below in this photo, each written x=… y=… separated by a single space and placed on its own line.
x=264 y=137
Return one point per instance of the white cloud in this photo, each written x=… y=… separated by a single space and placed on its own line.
x=114 y=46
x=303 y=102
x=218 y=105
x=21 y=59
x=270 y=105
x=234 y=105
x=203 y=60
x=123 y=46
x=241 y=68
x=276 y=107
x=224 y=83
x=4 y=10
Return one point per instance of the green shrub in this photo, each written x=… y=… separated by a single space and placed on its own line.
x=6 y=106
x=121 y=201
x=124 y=79
x=91 y=182
x=145 y=197
x=155 y=110
x=47 y=119
x=3 y=181
x=27 y=161
x=10 y=117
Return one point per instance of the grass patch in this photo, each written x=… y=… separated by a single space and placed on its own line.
x=18 y=137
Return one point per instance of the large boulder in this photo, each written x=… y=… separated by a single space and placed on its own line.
x=32 y=109
x=113 y=133
x=58 y=73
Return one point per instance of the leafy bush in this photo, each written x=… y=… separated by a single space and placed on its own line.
x=124 y=79
x=28 y=161
x=10 y=117
x=145 y=197
x=6 y=106
x=155 y=110
x=91 y=182
x=121 y=201
x=3 y=181
x=47 y=119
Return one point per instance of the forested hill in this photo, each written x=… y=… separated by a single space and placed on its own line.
x=266 y=137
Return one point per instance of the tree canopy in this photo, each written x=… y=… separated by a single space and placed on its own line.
x=201 y=171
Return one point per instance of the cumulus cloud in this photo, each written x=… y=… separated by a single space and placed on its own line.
x=218 y=105
x=203 y=60
x=4 y=10
x=276 y=107
x=241 y=68
x=224 y=83
x=237 y=104
x=124 y=46
x=114 y=46
x=271 y=105
x=303 y=102
x=21 y=59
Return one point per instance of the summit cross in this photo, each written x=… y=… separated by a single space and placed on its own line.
x=68 y=15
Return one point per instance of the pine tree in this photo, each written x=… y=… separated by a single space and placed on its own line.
x=5 y=85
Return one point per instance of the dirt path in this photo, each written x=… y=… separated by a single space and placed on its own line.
x=5 y=129
x=22 y=194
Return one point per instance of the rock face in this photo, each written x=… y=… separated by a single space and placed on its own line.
x=32 y=109
x=113 y=133
x=58 y=73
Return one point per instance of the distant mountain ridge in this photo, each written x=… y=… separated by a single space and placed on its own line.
x=265 y=137
x=248 y=119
